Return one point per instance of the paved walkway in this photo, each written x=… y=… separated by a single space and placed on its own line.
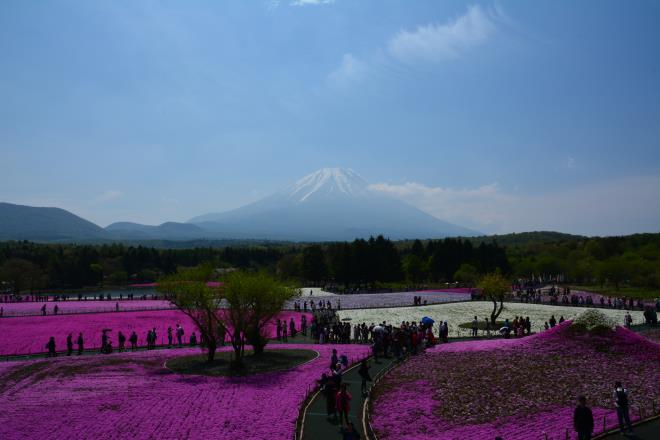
x=645 y=431
x=316 y=424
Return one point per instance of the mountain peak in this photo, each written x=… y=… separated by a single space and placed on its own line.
x=327 y=182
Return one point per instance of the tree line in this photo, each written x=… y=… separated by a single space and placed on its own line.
x=632 y=260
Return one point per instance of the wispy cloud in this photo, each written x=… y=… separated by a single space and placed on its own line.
x=570 y=162
x=310 y=2
x=107 y=196
x=439 y=42
x=618 y=206
x=350 y=69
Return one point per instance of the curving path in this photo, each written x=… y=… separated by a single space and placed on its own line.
x=315 y=424
x=644 y=431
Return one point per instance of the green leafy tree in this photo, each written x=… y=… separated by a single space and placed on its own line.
x=414 y=267
x=189 y=291
x=313 y=264
x=495 y=288
x=466 y=274
x=254 y=300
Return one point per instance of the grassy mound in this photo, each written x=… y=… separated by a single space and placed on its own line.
x=270 y=360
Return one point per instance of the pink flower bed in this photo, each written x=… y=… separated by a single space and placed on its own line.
x=518 y=388
x=34 y=308
x=30 y=334
x=133 y=397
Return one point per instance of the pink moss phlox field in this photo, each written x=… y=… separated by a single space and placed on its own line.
x=34 y=308
x=516 y=388
x=30 y=334
x=131 y=396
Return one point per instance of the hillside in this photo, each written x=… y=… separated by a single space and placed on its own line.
x=19 y=222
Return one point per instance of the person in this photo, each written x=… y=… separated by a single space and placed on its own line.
x=43 y=310
x=55 y=309
x=329 y=392
x=116 y=307
x=133 y=340
x=51 y=347
x=121 y=338
x=193 y=339
x=343 y=404
x=487 y=326
x=69 y=344
x=475 y=326
x=350 y=433
x=292 y=328
x=81 y=343
x=104 y=341
x=552 y=321
x=334 y=358
x=627 y=320
x=364 y=375
x=561 y=319
x=284 y=332
x=179 y=333
x=621 y=404
x=169 y=337
x=583 y=419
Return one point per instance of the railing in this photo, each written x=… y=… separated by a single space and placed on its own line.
x=609 y=423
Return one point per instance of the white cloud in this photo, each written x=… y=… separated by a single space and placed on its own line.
x=617 y=206
x=350 y=69
x=438 y=42
x=107 y=196
x=310 y=2
x=570 y=162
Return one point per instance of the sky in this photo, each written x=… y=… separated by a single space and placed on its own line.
x=503 y=116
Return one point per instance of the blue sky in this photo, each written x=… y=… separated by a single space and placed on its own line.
x=501 y=116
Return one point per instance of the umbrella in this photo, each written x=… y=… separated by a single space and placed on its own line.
x=347 y=319
x=504 y=329
x=427 y=321
x=379 y=328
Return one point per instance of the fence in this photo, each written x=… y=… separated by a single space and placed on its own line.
x=609 y=423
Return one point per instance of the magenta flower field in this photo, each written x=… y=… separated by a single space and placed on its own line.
x=517 y=388
x=30 y=334
x=34 y=308
x=131 y=396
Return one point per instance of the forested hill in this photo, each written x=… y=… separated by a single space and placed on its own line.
x=525 y=238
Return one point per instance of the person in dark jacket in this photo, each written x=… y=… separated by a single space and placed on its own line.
x=133 y=339
x=364 y=374
x=81 y=343
x=51 y=347
x=583 y=419
x=621 y=404
x=69 y=344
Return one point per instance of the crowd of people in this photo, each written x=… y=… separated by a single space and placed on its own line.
x=175 y=337
x=90 y=296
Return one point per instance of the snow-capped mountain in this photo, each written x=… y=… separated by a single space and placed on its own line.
x=328 y=182
x=329 y=204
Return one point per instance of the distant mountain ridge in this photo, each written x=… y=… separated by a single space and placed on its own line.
x=20 y=222
x=327 y=205
x=331 y=204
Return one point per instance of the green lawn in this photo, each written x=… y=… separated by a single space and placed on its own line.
x=270 y=360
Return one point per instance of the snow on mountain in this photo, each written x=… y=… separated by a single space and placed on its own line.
x=329 y=204
x=328 y=182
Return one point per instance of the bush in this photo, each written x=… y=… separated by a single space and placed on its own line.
x=593 y=321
